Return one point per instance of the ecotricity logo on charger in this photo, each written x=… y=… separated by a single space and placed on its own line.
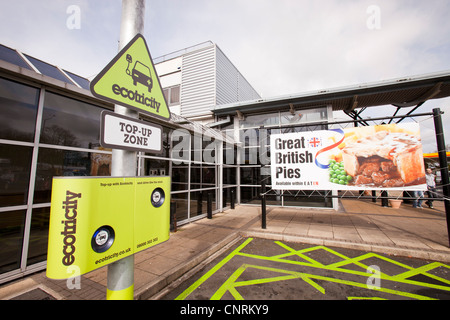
x=70 y=206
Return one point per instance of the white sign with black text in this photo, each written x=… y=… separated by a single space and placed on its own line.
x=121 y=132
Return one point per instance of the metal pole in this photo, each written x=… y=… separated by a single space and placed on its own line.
x=120 y=280
x=263 y=205
x=443 y=164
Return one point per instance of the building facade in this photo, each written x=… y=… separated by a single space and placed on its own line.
x=251 y=132
x=50 y=126
x=198 y=78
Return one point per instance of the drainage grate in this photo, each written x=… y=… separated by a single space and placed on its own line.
x=36 y=294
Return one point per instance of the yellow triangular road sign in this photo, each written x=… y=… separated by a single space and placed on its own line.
x=130 y=80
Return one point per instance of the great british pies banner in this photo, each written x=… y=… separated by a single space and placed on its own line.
x=382 y=157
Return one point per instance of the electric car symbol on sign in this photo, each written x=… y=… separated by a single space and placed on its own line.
x=141 y=74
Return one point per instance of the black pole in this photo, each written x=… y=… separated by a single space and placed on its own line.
x=209 y=205
x=263 y=205
x=443 y=164
x=200 y=203
x=263 y=212
x=384 y=199
x=173 y=217
x=232 y=199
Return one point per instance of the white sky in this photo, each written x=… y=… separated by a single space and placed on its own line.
x=280 y=46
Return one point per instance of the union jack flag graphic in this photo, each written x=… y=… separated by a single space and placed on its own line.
x=315 y=142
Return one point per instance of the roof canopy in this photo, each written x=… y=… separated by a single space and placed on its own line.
x=403 y=92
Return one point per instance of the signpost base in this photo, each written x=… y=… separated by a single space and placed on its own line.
x=121 y=279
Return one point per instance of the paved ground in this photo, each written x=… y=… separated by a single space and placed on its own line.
x=262 y=269
x=360 y=225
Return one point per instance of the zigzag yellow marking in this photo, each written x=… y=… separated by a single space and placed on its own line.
x=231 y=283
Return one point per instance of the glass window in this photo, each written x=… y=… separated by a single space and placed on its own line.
x=203 y=148
x=302 y=116
x=166 y=94
x=250 y=155
x=48 y=69
x=165 y=144
x=172 y=95
x=251 y=195
x=229 y=175
x=179 y=203
x=15 y=167
x=249 y=137
x=154 y=167
x=196 y=177
x=83 y=82
x=11 y=235
x=18 y=109
x=180 y=179
x=306 y=199
x=229 y=195
x=13 y=57
x=175 y=95
x=180 y=141
x=289 y=118
x=56 y=162
x=37 y=248
x=251 y=175
x=208 y=176
x=229 y=153
x=261 y=120
x=203 y=176
x=199 y=202
x=69 y=122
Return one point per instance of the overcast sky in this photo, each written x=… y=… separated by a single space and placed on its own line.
x=280 y=46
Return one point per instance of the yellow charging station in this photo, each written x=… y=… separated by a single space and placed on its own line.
x=95 y=221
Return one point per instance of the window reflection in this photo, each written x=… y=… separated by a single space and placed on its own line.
x=11 y=56
x=251 y=175
x=18 y=107
x=69 y=122
x=229 y=176
x=199 y=202
x=303 y=116
x=156 y=167
x=203 y=176
x=48 y=69
x=229 y=195
x=179 y=203
x=37 y=248
x=54 y=162
x=261 y=120
x=11 y=233
x=15 y=166
x=180 y=178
